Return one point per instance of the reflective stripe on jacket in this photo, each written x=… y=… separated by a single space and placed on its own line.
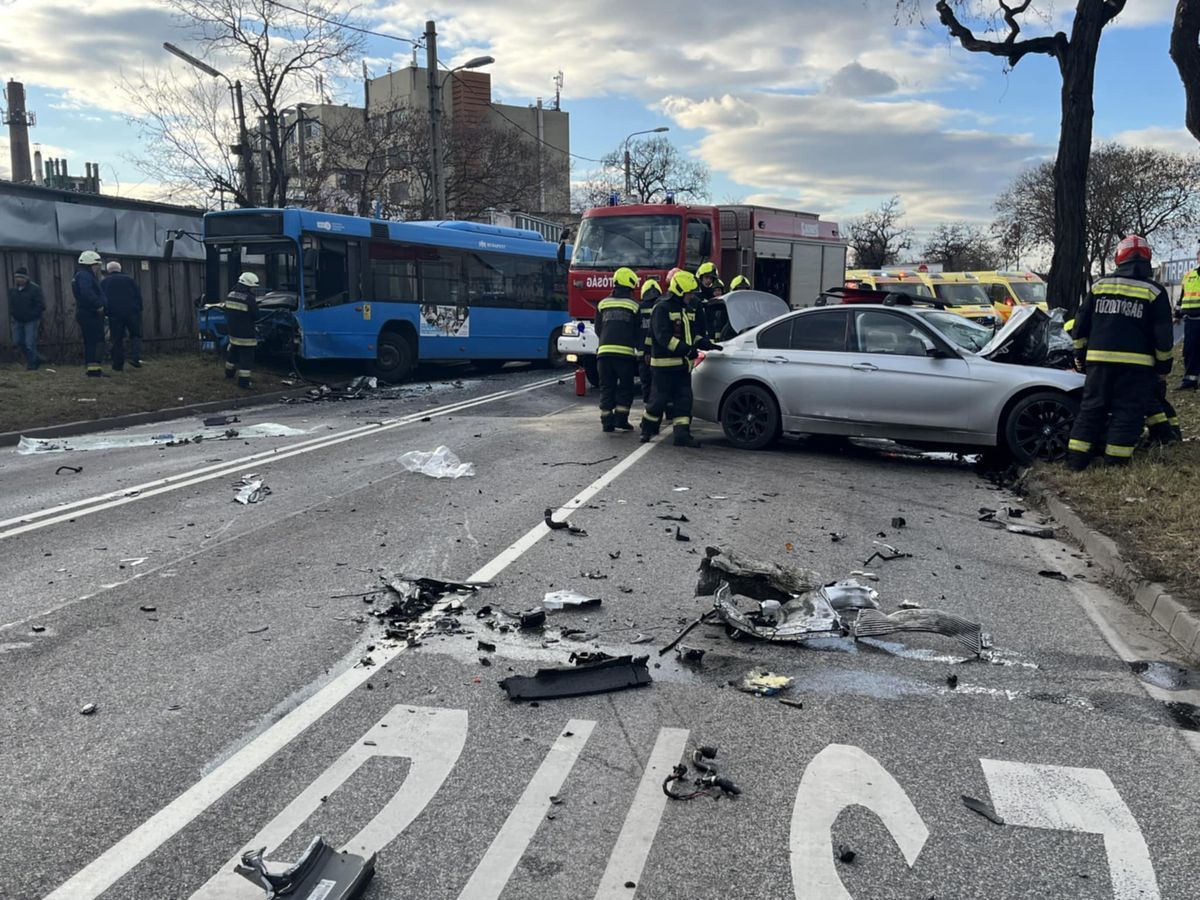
x=1125 y=321
x=618 y=326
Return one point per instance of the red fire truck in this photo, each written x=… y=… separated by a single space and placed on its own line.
x=794 y=255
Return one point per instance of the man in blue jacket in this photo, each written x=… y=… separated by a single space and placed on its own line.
x=89 y=309
x=25 y=307
x=123 y=301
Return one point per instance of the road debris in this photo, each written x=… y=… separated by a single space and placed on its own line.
x=753 y=578
x=850 y=594
x=74 y=470
x=37 y=629
x=1167 y=676
x=531 y=619
x=707 y=784
x=485 y=646
x=250 y=489
x=787 y=701
x=899 y=522
x=764 y=684
x=556 y=525
x=858 y=573
x=573 y=599
x=439 y=463
x=148 y=607
x=88 y=709
x=1055 y=574
x=886 y=552
x=845 y=854
x=1039 y=531
x=873 y=623
x=571 y=462
x=29 y=445
x=679 y=518
x=689 y=654
x=984 y=809
x=798 y=619
x=321 y=872
x=680 y=536
x=258 y=630
x=993 y=519
x=640 y=638
x=597 y=678
x=213 y=421
x=414 y=596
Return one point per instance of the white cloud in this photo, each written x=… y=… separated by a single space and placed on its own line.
x=857 y=80
x=1140 y=13
x=1175 y=140
x=48 y=151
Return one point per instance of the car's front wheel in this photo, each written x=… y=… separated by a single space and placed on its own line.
x=1039 y=427
x=750 y=417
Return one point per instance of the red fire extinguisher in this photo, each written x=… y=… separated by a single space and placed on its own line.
x=580 y=382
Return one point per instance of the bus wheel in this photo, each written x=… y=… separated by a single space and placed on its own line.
x=554 y=359
x=393 y=358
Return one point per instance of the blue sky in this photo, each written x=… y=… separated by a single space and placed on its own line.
x=824 y=105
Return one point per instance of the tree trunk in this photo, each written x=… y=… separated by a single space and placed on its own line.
x=1185 y=51
x=1078 y=65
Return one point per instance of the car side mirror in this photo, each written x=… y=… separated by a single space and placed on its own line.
x=933 y=351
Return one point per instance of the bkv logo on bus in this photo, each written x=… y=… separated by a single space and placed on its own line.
x=599 y=281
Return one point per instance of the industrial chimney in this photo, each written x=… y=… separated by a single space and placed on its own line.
x=18 y=122
x=38 y=172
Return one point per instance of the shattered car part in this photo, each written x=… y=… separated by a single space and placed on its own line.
x=595 y=678
x=573 y=599
x=251 y=489
x=984 y=809
x=321 y=872
x=555 y=525
x=850 y=594
x=704 y=759
x=439 y=463
x=213 y=421
x=753 y=578
x=74 y=470
x=690 y=654
x=886 y=552
x=873 y=623
x=764 y=684
x=800 y=618
x=532 y=618
x=1040 y=531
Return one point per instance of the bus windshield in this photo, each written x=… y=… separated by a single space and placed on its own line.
x=957 y=294
x=640 y=242
x=273 y=261
x=1029 y=291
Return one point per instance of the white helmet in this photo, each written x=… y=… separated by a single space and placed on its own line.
x=249 y=279
x=89 y=258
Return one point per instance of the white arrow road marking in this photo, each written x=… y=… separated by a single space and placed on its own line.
x=841 y=776
x=495 y=869
x=432 y=738
x=1067 y=799
x=641 y=824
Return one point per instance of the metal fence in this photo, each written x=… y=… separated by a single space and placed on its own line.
x=45 y=230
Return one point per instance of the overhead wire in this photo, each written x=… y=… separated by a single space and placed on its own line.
x=312 y=15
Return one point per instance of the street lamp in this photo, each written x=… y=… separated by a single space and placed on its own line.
x=659 y=130
x=235 y=90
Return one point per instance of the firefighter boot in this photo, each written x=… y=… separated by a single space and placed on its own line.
x=230 y=370
x=621 y=422
x=606 y=422
x=244 y=381
x=1078 y=460
x=683 y=437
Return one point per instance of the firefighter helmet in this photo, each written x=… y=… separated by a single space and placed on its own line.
x=672 y=274
x=740 y=283
x=683 y=283
x=651 y=285
x=1132 y=247
x=707 y=268
x=625 y=277
x=89 y=258
x=248 y=279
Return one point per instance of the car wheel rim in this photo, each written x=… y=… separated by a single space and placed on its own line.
x=747 y=417
x=1043 y=429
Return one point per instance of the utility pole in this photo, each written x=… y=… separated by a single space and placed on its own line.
x=436 y=182
x=247 y=151
x=541 y=143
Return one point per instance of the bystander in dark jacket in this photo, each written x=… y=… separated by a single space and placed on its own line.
x=26 y=305
x=123 y=301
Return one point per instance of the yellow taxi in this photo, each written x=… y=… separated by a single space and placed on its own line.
x=959 y=292
x=1009 y=290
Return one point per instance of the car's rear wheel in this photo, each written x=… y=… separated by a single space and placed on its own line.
x=1039 y=427
x=750 y=417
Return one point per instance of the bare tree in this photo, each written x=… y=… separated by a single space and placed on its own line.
x=656 y=167
x=278 y=52
x=878 y=237
x=961 y=247
x=1076 y=58
x=1185 y=51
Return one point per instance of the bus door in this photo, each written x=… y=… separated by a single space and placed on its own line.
x=336 y=321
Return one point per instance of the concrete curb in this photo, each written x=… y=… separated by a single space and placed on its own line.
x=71 y=429
x=1174 y=617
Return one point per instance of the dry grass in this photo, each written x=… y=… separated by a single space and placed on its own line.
x=61 y=393
x=1151 y=508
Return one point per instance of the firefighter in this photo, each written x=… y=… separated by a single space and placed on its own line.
x=651 y=292
x=740 y=283
x=1189 y=311
x=710 y=281
x=619 y=330
x=89 y=310
x=1123 y=337
x=241 y=310
x=676 y=334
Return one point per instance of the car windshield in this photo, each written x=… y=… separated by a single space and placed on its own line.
x=640 y=242
x=959 y=293
x=1029 y=291
x=962 y=332
x=274 y=262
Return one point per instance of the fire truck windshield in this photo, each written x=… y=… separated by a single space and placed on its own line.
x=640 y=242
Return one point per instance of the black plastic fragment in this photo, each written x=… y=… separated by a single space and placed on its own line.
x=680 y=536
x=213 y=421
x=845 y=854
x=984 y=809
x=576 y=681
x=486 y=647
x=898 y=522
x=678 y=518
x=533 y=618
x=1053 y=573
x=74 y=470
x=320 y=872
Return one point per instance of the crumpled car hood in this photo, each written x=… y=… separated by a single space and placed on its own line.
x=1030 y=337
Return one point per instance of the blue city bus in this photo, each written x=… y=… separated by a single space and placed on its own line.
x=389 y=293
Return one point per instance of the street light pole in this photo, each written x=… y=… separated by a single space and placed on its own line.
x=628 y=184
x=244 y=150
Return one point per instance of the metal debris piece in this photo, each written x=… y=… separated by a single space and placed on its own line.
x=909 y=604
x=678 y=518
x=74 y=470
x=250 y=489
x=573 y=599
x=886 y=552
x=800 y=618
x=532 y=618
x=753 y=578
x=984 y=809
x=1040 y=531
x=873 y=623
x=836 y=537
x=689 y=654
x=485 y=646
x=214 y=421
x=899 y=522
x=88 y=709
x=258 y=630
x=1055 y=574
x=640 y=638
x=859 y=573
x=576 y=681
x=850 y=594
x=764 y=683
x=555 y=525
x=148 y=607
x=704 y=759
x=37 y=629
x=795 y=704
x=680 y=536
x=321 y=872
x=587 y=657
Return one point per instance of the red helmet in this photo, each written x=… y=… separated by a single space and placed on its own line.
x=1132 y=247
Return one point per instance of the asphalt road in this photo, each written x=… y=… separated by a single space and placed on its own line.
x=244 y=699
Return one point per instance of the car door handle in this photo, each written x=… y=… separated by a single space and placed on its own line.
x=864 y=367
x=777 y=360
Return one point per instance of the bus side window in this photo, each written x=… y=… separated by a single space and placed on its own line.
x=391 y=273
x=699 y=239
x=332 y=272
x=440 y=273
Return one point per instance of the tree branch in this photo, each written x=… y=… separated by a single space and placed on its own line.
x=1010 y=48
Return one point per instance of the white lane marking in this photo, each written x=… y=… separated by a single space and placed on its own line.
x=633 y=845
x=841 y=776
x=432 y=739
x=78 y=508
x=1068 y=799
x=99 y=875
x=495 y=869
